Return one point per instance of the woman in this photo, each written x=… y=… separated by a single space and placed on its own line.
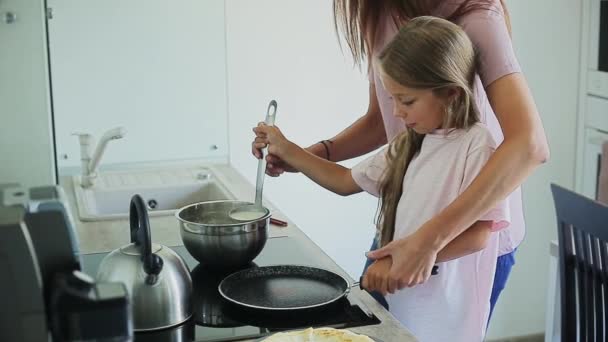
x=506 y=106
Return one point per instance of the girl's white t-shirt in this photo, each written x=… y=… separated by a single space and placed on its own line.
x=453 y=305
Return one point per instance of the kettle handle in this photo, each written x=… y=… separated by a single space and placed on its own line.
x=140 y=235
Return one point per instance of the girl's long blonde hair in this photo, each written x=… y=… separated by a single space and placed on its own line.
x=427 y=53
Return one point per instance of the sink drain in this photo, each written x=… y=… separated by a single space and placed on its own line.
x=152 y=204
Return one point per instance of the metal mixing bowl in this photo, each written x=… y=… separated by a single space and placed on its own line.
x=215 y=239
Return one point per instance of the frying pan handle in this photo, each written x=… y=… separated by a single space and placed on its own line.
x=434 y=271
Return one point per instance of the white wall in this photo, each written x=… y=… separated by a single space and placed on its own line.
x=293 y=56
x=26 y=144
x=156 y=67
x=287 y=50
x=546 y=36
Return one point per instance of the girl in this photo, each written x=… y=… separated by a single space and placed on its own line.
x=429 y=71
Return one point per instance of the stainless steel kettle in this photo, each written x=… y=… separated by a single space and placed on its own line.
x=157 y=278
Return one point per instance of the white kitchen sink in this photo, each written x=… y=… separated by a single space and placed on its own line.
x=164 y=191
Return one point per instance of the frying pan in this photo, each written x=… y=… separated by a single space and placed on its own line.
x=285 y=287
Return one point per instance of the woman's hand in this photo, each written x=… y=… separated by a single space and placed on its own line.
x=412 y=263
x=376 y=276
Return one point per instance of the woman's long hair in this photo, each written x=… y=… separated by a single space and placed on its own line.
x=427 y=53
x=358 y=20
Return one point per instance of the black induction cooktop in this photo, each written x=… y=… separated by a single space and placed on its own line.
x=214 y=319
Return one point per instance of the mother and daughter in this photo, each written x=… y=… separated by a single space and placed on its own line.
x=429 y=71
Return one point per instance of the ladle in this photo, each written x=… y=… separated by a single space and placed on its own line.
x=255 y=211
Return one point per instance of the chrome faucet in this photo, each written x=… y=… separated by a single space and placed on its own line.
x=90 y=163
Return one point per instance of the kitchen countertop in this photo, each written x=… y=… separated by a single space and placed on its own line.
x=103 y=236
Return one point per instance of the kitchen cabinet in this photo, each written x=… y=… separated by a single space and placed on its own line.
x=26 y=137
x=157 y=68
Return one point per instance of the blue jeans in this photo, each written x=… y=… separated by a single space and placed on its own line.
x=377 y=295
x=504 y=263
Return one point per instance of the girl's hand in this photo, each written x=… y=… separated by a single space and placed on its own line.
x=272 y=137
x=413 y=261
x=275 y=166
x=376 y=276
